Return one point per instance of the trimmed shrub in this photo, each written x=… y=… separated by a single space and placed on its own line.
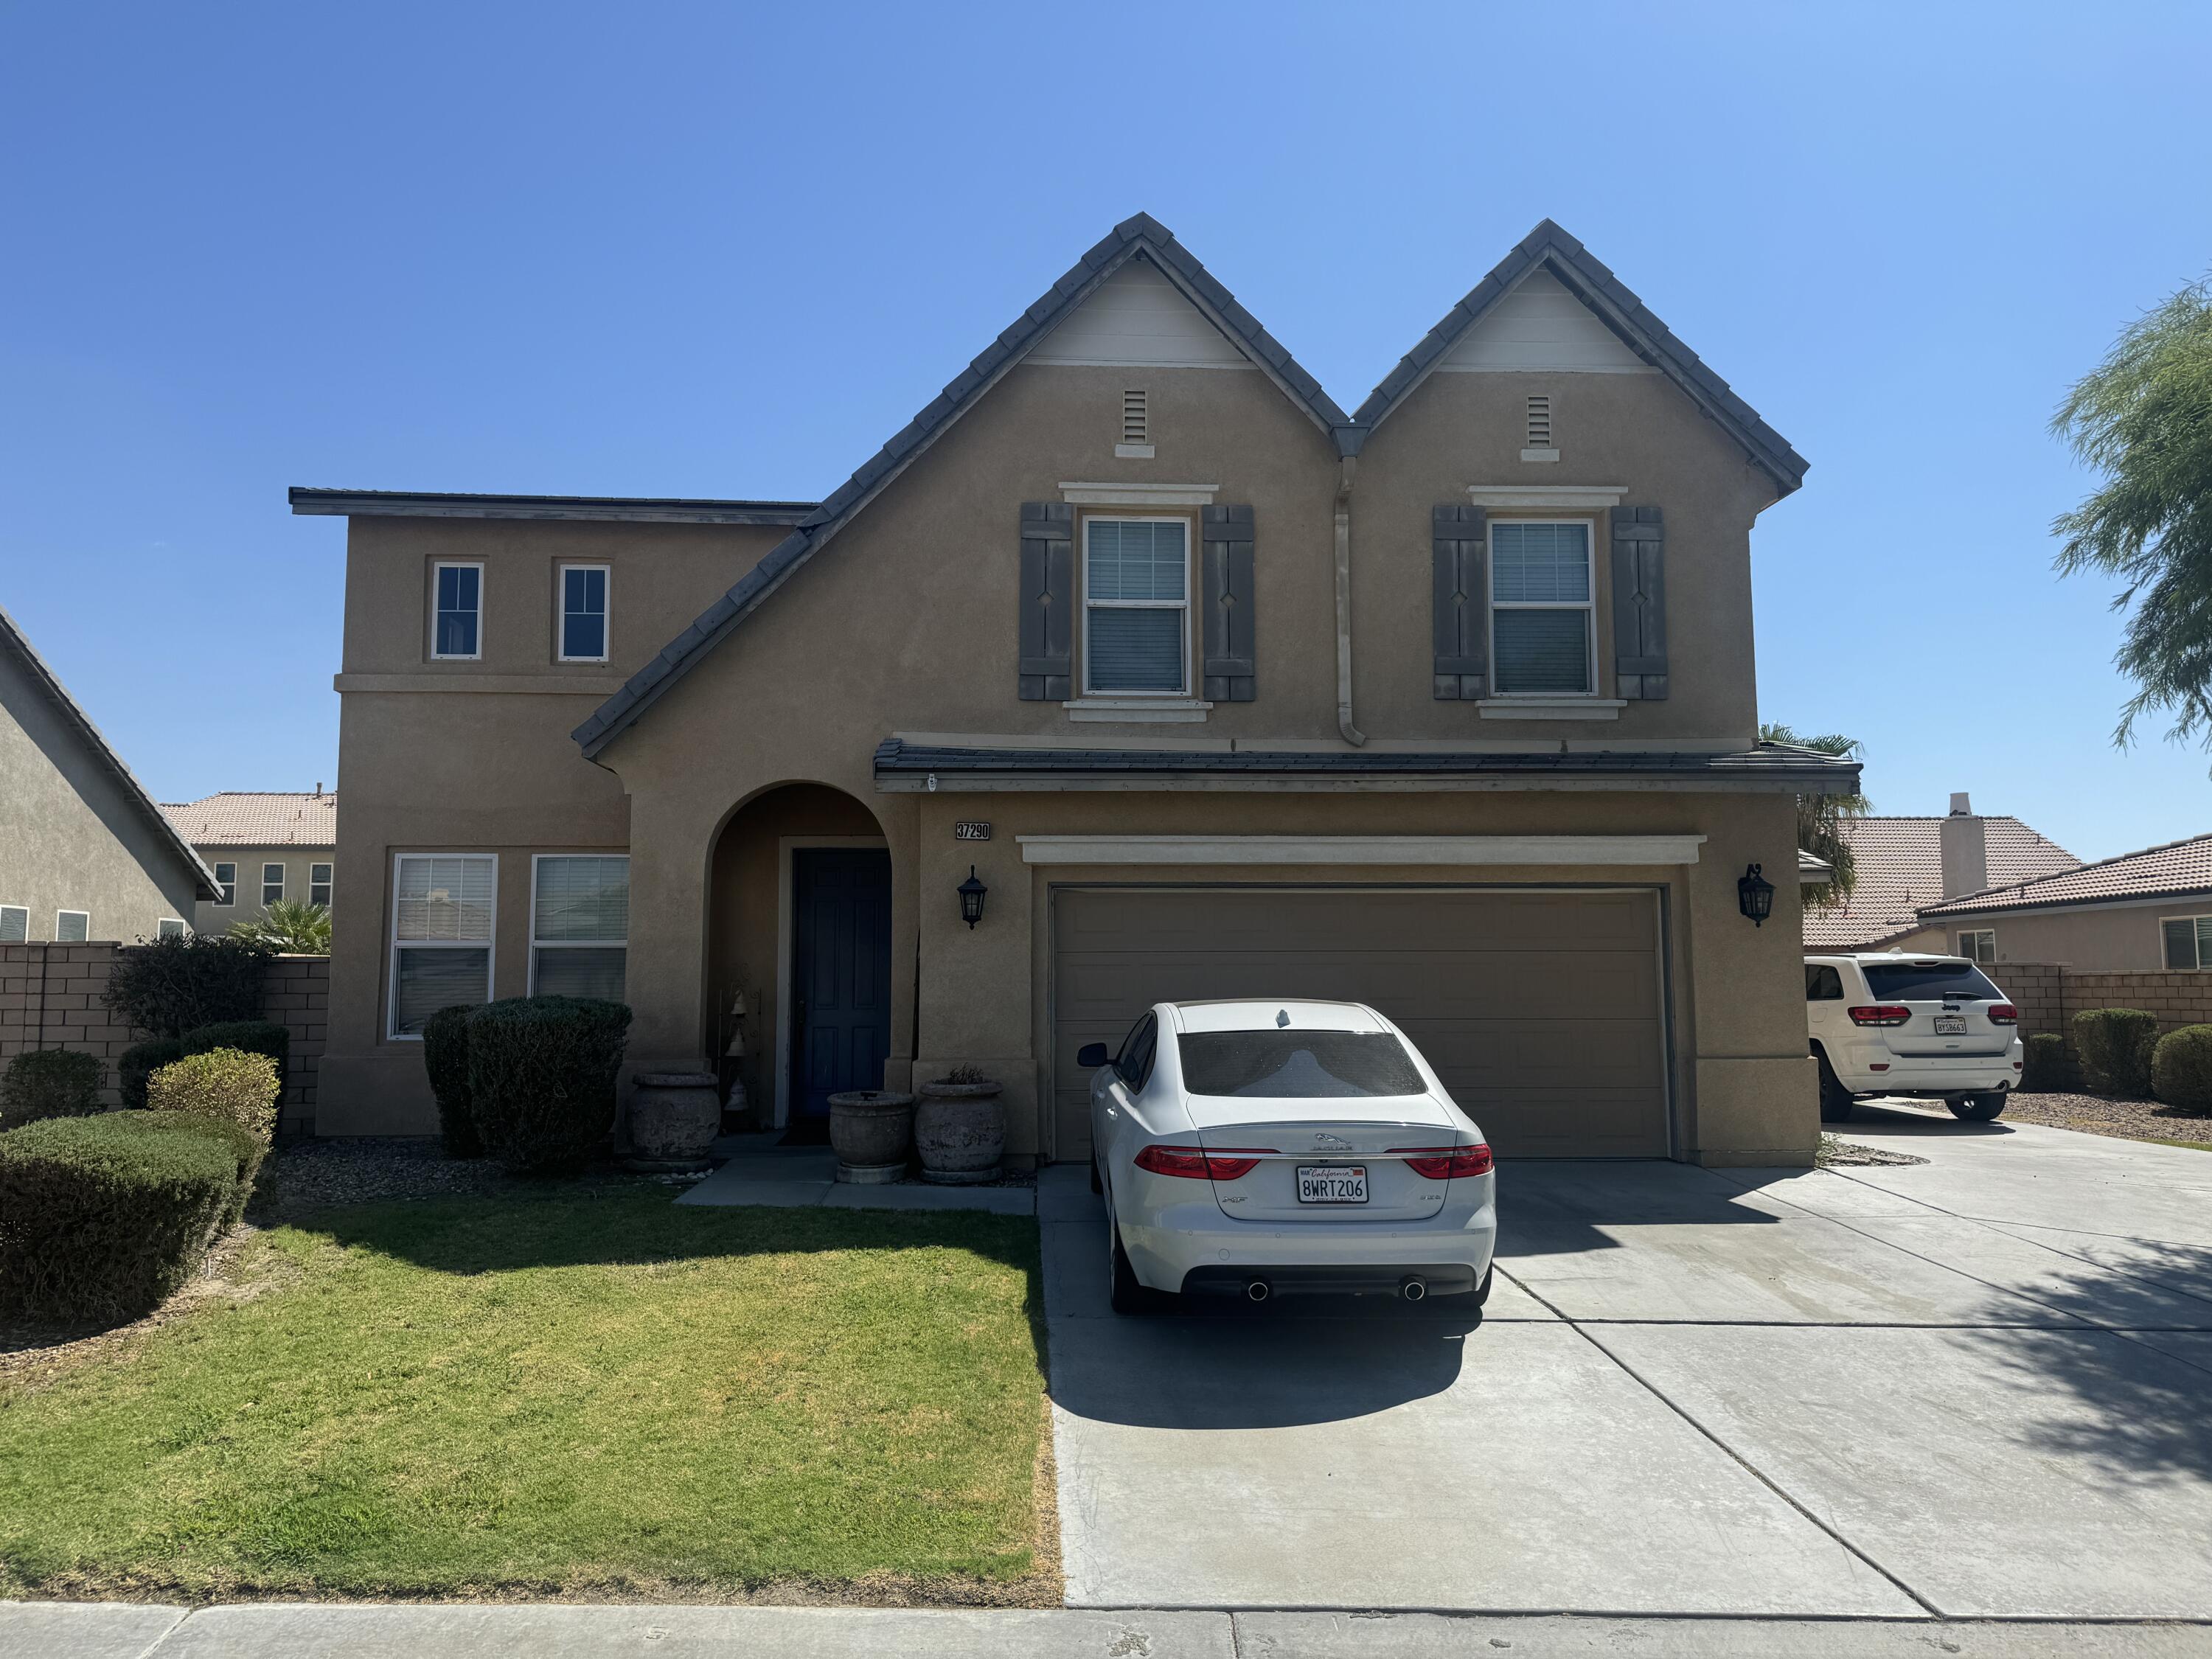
x=445 y=1058
x=101 y=1218
x=542 y=1078
x=140 y=1061
x=252 y=1036
x=2115 y=1045
x=2181 y=1068
x=167 y=986
x=44 y=1083
x=227 y=1085
x=2044 y=1072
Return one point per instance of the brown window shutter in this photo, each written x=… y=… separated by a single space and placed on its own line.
x=1047 y=620
x=1639 y=603
x=1459 y=550
x=1229 y=663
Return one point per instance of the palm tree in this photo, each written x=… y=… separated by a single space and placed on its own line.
x=291 y=927
x=1821 y=818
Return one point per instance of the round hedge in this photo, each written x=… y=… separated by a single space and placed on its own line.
x=2181 y=1068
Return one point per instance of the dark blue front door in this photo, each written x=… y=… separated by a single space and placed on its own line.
x=840 y=972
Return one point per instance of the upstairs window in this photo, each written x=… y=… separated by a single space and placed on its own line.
x=457 y=624
x=1540 y=609
x=442 y=908
x=15 y=924
x=72 y=927
x=2188 y=941
x=583 y=613
x=1136 y=607
x=579 y=924
x=226 y=876
x=272 y=884
x=318 y=884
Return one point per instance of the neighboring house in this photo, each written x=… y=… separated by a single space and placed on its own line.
x=262 y=845
x=2147 y=910
x=1446 y=705
x=84 y=852
x=1906 y=863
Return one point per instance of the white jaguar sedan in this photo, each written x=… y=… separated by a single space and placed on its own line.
x=1264 y=1149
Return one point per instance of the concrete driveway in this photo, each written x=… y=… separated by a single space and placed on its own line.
x=1976 y=1387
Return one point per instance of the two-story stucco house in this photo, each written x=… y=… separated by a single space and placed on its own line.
x=265 y=846
x=1446 y=705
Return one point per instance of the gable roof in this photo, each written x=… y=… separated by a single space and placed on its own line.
x=13 y=639
x=257 y=818
x=1549 y=248
x=1900 y=866
x=1141 y=237
x=2173 y=867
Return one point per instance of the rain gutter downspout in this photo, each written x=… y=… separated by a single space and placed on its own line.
x=1348 y=441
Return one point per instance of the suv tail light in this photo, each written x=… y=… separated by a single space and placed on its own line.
x=1442 y=1163
x=1881 y=1013
x=1200 y=1164
x=2004 y=1013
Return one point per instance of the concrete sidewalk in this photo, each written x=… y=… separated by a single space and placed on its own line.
x=295 y=1631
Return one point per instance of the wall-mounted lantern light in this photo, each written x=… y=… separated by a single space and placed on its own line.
x=1754 y=896
x=971 y=898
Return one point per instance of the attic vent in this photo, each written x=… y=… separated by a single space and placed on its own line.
x=1539 y=447
x=1136 y=419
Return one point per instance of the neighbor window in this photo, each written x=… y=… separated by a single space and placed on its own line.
x=1136 y=606
x=318 y=884
x=458 y=626
x=226 y=876
x=171 y=926
x=442 y=907
x=273 y=882
x=1540 y=609
x=1978 y=945
x=72 y=927
x=15 y=924
x=2188 y=941
x=578 y=924
x=583 y=613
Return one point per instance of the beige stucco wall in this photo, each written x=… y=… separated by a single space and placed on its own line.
x=211 y=917
x=2099 y=938
x=71 y=837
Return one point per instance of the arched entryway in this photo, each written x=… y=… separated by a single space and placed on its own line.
x=800 y=926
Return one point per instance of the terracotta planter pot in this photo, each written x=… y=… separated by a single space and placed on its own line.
x=673 y=1117
x=960 y=1131
x=869 y=1129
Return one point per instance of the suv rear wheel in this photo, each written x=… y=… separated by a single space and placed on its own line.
x=1835 y=1099
x=1975 y=1109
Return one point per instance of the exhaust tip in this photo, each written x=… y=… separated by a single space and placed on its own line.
x=1258 y=1290
x=1412 y=1289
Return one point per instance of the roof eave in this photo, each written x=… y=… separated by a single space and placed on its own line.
x=307 y=501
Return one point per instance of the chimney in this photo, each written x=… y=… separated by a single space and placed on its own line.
x=1966 y=849
x=319 y=789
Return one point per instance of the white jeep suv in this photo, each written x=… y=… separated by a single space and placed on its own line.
x=1894 y=1023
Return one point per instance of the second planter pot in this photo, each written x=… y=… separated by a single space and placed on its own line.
x=960 y=1132
x=869 y=1129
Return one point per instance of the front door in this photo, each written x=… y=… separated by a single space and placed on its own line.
x=840 y=972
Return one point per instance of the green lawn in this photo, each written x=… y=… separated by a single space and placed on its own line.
x=463 y=1394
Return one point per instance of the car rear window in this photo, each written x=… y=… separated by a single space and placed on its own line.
x=1297 y=1065
x=1910 y=982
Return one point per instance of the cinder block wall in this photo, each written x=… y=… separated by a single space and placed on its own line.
x=51 y=997
x=2049 y=994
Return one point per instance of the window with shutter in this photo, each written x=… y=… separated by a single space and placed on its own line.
x=72 y=927
x=1459 y=603
x=1230 y=663
x=15 y=924
x=1639 y=605
x=1541 y=609
x=1048 y=609
x=1136 y=607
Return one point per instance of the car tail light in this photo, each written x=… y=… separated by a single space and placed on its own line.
x=1442 y=1163
x=1202 y=1163
x=2004 y=1013
x=1881 y=1013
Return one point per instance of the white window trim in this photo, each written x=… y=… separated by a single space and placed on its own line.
x=437 y=565
x=490 y=945
x=2198 y=922
x=1970 y=952
x=281 y=881
x=561 y=613
x=538 y=944
x=165 y=921
x=58 y=915
x=24 y=910
x=327 y=882
x=1587 y=607
x=1183 y=693
x=229 y=886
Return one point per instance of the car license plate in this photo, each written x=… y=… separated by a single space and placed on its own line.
x=1332 y=1183
x=1950 y=1025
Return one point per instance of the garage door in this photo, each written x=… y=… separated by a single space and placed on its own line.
x=1540 y=1011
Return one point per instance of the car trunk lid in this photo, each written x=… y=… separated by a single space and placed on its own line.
x=1946 y=1004
x=1317 y=1135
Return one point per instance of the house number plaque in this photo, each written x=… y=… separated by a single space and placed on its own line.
x=971 y=830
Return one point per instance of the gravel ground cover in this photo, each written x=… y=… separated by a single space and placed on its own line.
x=1834 y=1153
x=2129 y=1120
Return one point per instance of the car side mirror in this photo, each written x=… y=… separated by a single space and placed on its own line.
x=1092 y=1055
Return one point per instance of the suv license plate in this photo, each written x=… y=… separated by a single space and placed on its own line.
x=1332 y=1183
x=1950 y=1025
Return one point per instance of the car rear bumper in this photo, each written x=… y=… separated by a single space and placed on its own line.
x=1375 y=1279
x=1187 y=1239
x=1924 y=1074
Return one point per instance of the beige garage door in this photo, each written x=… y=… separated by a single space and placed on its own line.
x=1542 y=1011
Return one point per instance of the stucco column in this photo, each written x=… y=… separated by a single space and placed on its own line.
x=670 y=844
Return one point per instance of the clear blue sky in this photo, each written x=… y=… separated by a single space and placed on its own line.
x=727 y=251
